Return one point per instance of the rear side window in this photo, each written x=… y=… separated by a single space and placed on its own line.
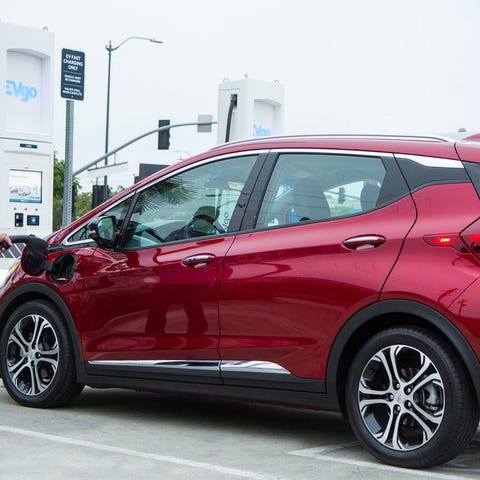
x=420 y=171
x=310 y=187
x=473 y=170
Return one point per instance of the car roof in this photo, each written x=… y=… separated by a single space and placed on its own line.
x=437 y=146
x=467 y=149
x=424 y=145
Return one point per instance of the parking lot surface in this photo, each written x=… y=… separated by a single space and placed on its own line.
x=116 y=434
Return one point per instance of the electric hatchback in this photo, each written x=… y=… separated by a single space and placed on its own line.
x=328 y=272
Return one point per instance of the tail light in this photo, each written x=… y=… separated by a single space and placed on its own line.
x=471 y=238
x=446 y=240
x=466 y=241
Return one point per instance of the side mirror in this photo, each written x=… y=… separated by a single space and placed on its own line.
x=102 y=231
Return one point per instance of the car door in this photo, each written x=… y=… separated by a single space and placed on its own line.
x=151 y=303
x=318 y=248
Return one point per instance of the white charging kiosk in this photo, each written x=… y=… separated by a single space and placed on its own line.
x=249 y=108
x=26 y=130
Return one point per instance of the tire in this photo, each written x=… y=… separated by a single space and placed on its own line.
x=409 y=400
x=36 y=357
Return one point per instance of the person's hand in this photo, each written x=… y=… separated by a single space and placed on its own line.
x=5 y=242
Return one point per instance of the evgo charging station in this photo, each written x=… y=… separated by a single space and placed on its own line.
x=26 y=133
x=26 y=130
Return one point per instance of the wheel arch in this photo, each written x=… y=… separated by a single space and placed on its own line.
x=38 y=291
x=389 y=313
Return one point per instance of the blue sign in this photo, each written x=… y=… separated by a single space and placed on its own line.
x=259 y=131
x=73 y=74
x=21 y=91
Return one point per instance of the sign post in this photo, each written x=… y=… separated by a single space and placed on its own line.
x=72 y=88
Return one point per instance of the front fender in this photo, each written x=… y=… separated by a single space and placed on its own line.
x=39 y=291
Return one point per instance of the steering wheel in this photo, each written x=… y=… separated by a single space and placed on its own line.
x=154 y=234
x=202 y=225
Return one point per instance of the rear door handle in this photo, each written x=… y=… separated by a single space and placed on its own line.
x=199 y=261
x=364 y=242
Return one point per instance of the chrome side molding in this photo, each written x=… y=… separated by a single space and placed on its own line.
x=244 y=366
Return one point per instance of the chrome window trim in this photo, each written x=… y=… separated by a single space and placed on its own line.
x=78 y=243
x=433 y=162
x=351 y=153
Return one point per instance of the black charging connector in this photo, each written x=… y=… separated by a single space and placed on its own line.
x=233 y=104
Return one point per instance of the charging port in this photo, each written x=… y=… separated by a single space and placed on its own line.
x=63 y=268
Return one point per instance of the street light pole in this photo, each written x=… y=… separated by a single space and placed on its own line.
x=107 y=123
x=111 y=49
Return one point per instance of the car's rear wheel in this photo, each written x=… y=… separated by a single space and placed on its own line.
x=409 y=400
x=36 y=357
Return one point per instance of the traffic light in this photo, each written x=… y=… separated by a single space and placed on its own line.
x=163 y=135
x=99 y=194
x=341 y=195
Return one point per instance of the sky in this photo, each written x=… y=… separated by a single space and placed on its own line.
x=348 y=66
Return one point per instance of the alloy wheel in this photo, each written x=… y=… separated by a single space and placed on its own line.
x=401 y=397
x=32 y=354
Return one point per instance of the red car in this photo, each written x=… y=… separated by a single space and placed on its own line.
x=328 y=272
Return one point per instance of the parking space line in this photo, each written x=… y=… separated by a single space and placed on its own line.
x=136 y=453
x=320 y=454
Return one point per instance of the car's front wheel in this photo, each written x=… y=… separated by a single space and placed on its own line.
x=36 y=357
x=409 y=400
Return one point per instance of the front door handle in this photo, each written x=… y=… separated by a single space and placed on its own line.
x=199 y=261
x=364 y=242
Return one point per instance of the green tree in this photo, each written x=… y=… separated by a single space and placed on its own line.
x=112 y=193
x=83 y=200
x=83 y=204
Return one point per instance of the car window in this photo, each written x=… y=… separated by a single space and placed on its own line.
x=308 y=187
x=118 y=211
x=196 y=203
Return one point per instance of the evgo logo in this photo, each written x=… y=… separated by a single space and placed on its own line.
x=24 y=92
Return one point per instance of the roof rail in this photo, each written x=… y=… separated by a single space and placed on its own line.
x=429 y=138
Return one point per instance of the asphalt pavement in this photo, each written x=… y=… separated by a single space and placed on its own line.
x=119 y=434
